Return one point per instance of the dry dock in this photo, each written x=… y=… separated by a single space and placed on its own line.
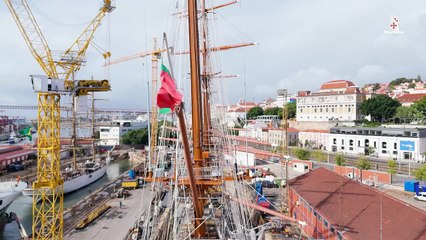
x=117 y=221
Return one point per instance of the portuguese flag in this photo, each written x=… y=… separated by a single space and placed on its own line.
x=168 y=96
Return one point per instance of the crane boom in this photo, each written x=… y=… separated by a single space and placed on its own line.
x=73 y=57
x=32 y=35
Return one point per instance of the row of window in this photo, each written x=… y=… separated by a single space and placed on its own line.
x=320 y=219
x=321 y=106
x=366 y=143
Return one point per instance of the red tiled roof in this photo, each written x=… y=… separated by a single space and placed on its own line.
x=337 y=84
x=357 y=207
x=409 y=98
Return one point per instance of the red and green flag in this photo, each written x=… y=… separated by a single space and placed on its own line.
x=168 y=96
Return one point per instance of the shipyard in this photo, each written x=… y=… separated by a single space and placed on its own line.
x=212 y=119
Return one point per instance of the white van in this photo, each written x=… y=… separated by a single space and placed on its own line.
x=421 y=196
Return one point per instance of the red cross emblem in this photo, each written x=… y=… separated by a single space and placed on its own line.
x=393 y=25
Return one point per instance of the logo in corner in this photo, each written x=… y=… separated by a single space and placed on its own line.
x=394 y=26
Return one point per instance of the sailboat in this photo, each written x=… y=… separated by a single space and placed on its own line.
x=81 y=175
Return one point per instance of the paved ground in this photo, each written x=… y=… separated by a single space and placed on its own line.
x=405 y=197
x=117 y=221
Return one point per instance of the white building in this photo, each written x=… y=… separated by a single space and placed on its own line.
x=111 y=135
x=314 y=138
x=337 y=100
x=258 y=129
x=276 y=137
x=389 y=143
x=238 y=112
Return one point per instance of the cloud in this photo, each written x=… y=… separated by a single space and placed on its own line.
x=302 y=44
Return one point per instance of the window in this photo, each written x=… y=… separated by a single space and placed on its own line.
x=319 y=218
x=343 y=142
x=104 y=130
x=384 y=151
x=384 y=144
x=339 y=236
x=334 y=141
x=359 y=143
x=349 y=109
x=375 y=145
x=343 y=148
x=325 y=224
x=332 y=229
x=332 y=109
x=351 y=148
x=315 y=213
x=395 y=146
x=310 y=209
x=351 y=142
x=301 y=110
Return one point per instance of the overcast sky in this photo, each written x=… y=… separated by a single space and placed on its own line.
x=302 y=44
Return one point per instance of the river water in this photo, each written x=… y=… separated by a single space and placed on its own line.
x=22 y=206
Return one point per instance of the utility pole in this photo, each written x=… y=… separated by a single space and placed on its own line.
x=284 y=160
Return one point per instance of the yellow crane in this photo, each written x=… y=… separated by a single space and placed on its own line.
x=48 y=187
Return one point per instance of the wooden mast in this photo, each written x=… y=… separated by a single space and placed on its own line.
x=205 y=77
x=196 y=114
x=195 y=82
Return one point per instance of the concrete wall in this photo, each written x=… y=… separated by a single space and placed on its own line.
x=369 y=176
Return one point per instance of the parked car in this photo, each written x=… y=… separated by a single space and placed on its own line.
x=421 y=196
x=15 y=167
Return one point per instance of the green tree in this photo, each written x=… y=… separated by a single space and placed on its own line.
x=340 y=160
x=408 y=112
x=136 y=137
x=302 y=154
x=254 y=112
x=411 y=85
x=398 y=81
x=420 y=173
x=376 y=86
x=421 y=106
x=272 y=111
x=319 y=155
x=392 y=167
x=380 y=107
x=291 y=110
x=363 y=163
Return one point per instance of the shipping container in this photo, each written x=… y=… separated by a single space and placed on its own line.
x=411 y=186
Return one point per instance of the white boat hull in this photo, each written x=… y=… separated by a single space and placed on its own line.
x=76 y=183
x=10 y=191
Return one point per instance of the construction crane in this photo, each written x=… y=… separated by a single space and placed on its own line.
x=155 y=55
x=48 y=187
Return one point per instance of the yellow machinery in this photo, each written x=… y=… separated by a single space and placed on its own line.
x=48 y=187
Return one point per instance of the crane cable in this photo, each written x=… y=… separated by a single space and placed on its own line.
x=54 y=21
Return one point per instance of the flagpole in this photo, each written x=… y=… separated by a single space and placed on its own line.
x=149 y=130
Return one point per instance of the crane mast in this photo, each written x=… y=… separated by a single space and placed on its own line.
x=48 y=186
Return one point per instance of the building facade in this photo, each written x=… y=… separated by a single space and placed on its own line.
x=390 y=143
x=314 y=139
x=111 y=135
x=276 y=137
x=337 y=100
